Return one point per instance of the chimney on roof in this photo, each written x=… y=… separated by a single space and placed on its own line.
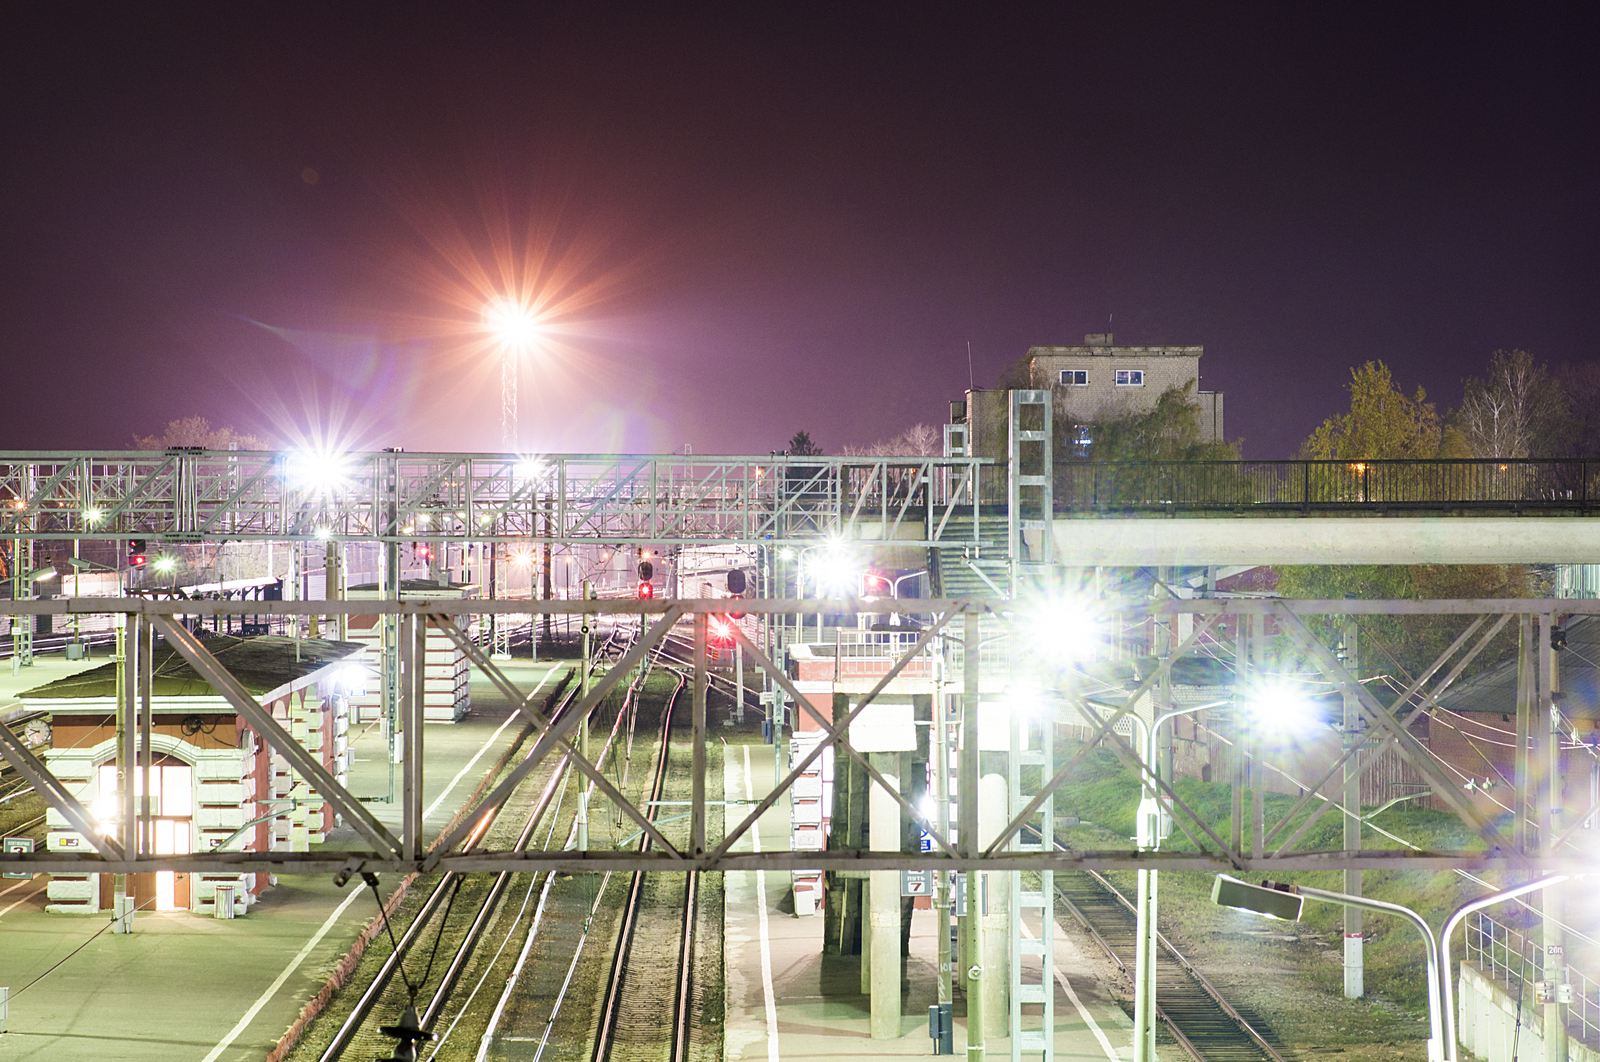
x=1097 y=339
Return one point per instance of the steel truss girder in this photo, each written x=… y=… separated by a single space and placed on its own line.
x=619 y=499
x=574 y=861
x=387 y=852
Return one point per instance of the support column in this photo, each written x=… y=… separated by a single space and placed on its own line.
x=967 y=840
x=697 y=841
x=884 y=934
x=128 y=656
x=1236 y=761
x=1523 y=794
x=1257 y=776
x=1557 y=1000
x=1354 y=736
x=994 y=897
x=413 y=643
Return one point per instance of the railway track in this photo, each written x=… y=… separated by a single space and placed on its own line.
x=1207 y=1027
x=660 y=915
x=480 y=894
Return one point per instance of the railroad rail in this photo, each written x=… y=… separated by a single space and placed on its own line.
x=630 y=1026
x=1206 y=1025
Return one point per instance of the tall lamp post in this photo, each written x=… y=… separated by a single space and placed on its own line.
x=1284 y=901
x=1151 y=828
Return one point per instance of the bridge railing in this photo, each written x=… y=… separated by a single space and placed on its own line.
x=1309 y=486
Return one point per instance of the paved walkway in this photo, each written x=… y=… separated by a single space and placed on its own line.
x=183 y=988
x=786 y=1000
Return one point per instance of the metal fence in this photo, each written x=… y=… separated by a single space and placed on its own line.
x=1514 y=959
x=1308 y=486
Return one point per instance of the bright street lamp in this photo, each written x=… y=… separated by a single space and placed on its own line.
x=1277 y=900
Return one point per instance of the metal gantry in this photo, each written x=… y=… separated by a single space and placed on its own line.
x=1527 y=848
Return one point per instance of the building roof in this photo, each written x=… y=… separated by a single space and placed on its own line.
x=1495 y=690
x=419 y=586
x=260 y=664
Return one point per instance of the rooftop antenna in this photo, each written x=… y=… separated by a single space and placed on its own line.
x=970 y=385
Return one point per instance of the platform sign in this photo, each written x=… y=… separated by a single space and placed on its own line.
x=916 y=883
x=17 y=846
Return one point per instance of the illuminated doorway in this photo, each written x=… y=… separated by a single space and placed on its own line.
x=172 y=823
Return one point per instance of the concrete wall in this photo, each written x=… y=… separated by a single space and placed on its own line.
x=1134 y=541
x=1487 y=1024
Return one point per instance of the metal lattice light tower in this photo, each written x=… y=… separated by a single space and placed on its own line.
x=508 y=398
x=513 y=325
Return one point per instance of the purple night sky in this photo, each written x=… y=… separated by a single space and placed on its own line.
x=745 y=221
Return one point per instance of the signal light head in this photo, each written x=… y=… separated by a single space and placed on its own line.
x=646 y=591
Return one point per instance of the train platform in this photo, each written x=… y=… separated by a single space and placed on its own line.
x=787 y=1000
x=183 y=986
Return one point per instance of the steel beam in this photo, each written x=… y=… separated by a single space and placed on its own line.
x=55 y=794
x=221 y=679
x=554 y=736
x=1408 y=746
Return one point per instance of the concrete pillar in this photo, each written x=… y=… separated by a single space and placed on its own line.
x=1354 y=735
x=1550 y=825
x=883 y=938
x=994 y=898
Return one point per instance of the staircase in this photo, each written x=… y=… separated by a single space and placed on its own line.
x=974 y=571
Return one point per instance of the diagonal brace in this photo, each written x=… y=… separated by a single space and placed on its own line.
x=836 y=737
x=301 y=759
x=555 y=735
x=34 y=770
x=1409 y=747
x=1430 y=700
x=1065 y=771
x=540 y=723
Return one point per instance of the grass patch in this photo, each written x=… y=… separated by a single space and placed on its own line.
x=1105 y=794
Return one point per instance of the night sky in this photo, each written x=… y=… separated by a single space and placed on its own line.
x=744 y=221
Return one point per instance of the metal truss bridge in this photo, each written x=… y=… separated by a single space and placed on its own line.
x=191 y=495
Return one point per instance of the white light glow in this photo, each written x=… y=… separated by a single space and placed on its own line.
x=836 y=570
x=511 y=323
x=1281 y=708
x=322 y=471
x=1063 y=629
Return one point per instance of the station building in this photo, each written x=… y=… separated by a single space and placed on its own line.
x=214 y=782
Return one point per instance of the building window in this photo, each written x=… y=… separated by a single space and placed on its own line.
x=1074 y=377
x=1130 y=377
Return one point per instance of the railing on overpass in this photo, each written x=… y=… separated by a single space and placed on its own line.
x=1516 y=960
x=189 y=494
x=1514 y=485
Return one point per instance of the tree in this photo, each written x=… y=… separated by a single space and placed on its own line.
x=1517 y=409
x=1382 y=423
x=1405 y=645
x=919 y=440
x=800 y=445
x=1170 y=431
x=197 y=431
x=1580 y=386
